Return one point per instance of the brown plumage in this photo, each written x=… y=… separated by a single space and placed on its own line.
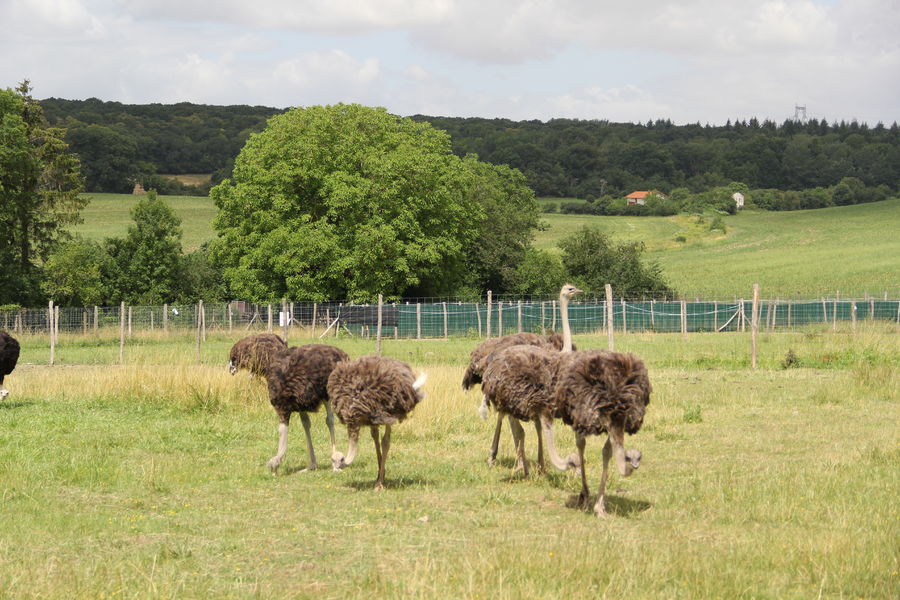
x=254 y=353
x=373 y=391
x=297 y=378
x=599 y=391
x=9 y=356
x=521 y=387
x=480 y=356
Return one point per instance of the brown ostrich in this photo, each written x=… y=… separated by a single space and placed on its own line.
x=373 y=391
x=599 y=391
x=518 y=382
x=254 y=353
x=9 y=356
x=297 y=378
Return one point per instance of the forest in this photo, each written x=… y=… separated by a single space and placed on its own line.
x=564 y=158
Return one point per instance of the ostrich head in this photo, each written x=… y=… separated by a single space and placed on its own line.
x=231 y=368
x=338 y=461
x=3 y=393
x=568 y=291
x=632 y=462
x=573 y=461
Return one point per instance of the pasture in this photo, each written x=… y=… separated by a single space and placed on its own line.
x=148 y=480
x=801 y=254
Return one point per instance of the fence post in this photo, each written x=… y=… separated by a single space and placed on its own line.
x=151 y=318
x=715 y=316
x=652 y=315
x=754 y=325
x=743 y=317
x=624 y=317
x=520 y=316
x=834 y=314
x=378 y=328
x=500 y=318
x=230 y=318
x=419 y=322
x=611 y=341
x=165 y=318
x=853 y=316
x=84 y=322
x=122 y=333
x=314 y=316
x=478 y=316
x=446 y=331
x=824 y=311
x=543 y=328
x=129 y=320
x=96 y=319
x=488 y=328
x=789 y=304
x=684 y=319
x=199 y=325
x=50 y=329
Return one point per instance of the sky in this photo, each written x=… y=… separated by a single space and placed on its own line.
x=689 y=61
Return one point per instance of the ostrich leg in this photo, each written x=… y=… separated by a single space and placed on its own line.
x=519 y=438
x=570 y=462
x=585 y=495
x=600 y=506
x=329 y=421
x=492 y=455
x=275 y=461
x=540 y=444
x=379 y=481
x=311 y=464
x=385 y=446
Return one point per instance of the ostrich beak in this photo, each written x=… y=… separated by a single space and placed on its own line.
x=337 y=462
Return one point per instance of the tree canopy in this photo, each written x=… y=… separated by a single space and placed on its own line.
x=39 y=186
x=351 y=201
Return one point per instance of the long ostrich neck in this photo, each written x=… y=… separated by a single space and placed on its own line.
x=556 y=460
x=564 y=315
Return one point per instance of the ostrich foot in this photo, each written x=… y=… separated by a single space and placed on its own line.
x=600 y=508
x=379 y=486
x=311 y=467
x=273 y=465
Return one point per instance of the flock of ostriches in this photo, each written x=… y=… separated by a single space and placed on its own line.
x=523 y=377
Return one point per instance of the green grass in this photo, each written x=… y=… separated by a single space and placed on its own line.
x=149 y=481
x=109 y=215
x=853 y=250
x=802 y=254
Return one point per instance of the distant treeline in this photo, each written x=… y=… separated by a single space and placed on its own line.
x=121 y=143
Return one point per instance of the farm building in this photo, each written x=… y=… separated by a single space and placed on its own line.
x=738 y=199
x=637 y=197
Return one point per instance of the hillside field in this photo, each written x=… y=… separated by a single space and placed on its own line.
x=852 y=250
x=149 y=481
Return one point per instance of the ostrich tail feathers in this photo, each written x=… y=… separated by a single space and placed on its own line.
x=418 y=383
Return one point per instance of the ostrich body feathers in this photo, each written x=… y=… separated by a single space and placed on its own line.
x=297 y=377
x=596 y=388
x=485 y=351
x=518 y=381
x=373 y=390
x=255 y=352
x=9 y=354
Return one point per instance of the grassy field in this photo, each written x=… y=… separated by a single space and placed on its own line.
x=853 y=250
x=149 y=480
x=109 y=215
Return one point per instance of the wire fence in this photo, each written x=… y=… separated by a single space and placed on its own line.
x=424 y=318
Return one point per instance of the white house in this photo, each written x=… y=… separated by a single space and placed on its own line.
x=738 y=199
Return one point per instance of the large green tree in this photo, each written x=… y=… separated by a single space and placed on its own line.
x=348 y=201
x=39 y=186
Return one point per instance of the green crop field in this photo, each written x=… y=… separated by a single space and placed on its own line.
x=149 y=481
x=852 y=250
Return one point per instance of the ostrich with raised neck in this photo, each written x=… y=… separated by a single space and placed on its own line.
x=518 y=383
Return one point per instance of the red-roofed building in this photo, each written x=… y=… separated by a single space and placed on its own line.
x=637 y=197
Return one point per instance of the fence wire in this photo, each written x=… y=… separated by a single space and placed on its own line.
x=448 y=318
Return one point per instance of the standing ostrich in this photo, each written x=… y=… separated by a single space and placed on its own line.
x=519 y=383
x=599 y=391
x=373 y=391
x=254 y=353
x=297 y=378
x=9 y=356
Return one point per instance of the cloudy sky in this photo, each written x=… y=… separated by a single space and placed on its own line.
x=689 y=61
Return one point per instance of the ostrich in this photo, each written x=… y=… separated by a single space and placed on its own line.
x=373 y=391
x=297 y=378
x=9 y=356
x=519 y=383
x=485 y=352
x=599 y=391
x=254 y=353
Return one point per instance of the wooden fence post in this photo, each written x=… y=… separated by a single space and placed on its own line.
x=230 y=318
x=754 y=325
x=165 y=318
x=122 y=333
x=419 y=322
x=378 y=328
x=684 y=327
x=488 y=323
x=478 y=316
x=610 y=337
x=853 y=316
x=652 y=315
x=520 y=316
x=624 y=317
x=543 y=328
x=446 y=331
x=50 y=332
x=314 y=316
x=96 y=319
x=500 y=318
x=199 y=320
x=834 y=315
